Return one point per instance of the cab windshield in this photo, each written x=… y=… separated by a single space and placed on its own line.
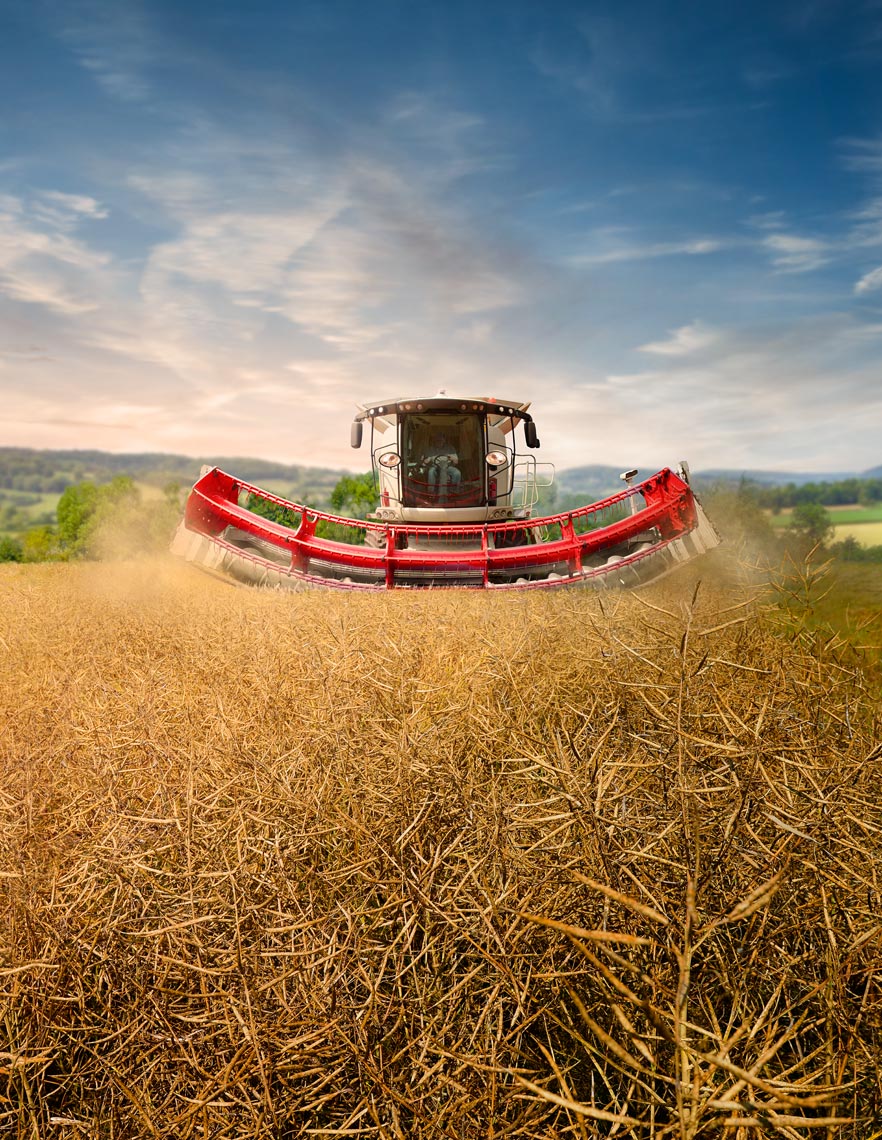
x=443 y=460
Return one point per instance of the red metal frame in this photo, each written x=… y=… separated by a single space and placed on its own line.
x=475 y=551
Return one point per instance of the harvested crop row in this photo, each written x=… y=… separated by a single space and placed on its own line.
x=441 y=865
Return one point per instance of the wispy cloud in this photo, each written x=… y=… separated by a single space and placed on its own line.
x=869 y=282
x=647 y=251
x=685 y=341
x=297 y=276
x=771 y=220
x=115 y=43
x=609 y=65
x=767 y=70
x=457 y=138
x=866 y=231
x=863 y=154
x=41 y=263
x=791 y=253
x=66 y=210
x=354 y=250
x=287 y=208
x=48 y=288
x=742 y=387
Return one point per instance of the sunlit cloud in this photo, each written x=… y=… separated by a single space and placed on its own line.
x=66 y=210
x=819 y=367
x=42 y=264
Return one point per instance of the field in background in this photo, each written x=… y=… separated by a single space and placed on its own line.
x=864 y=524
x=436 y=864
x=31 y=481
x=849 y=513
x=40 y=509
x=867 y=533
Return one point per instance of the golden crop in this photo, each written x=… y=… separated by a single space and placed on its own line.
x=431 y=865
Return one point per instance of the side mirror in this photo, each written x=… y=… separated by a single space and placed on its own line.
x=530 y=434
x=355 y=433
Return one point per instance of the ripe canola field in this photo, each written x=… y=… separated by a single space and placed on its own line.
x=435 y=864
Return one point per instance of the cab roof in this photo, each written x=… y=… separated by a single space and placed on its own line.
x=484 y=405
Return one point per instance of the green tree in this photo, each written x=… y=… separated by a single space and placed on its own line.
x=41 y=544
x=355 y=496
x=123 y=526
x=111 y=521
x=810 y=524
x=75 y=508
x=11 y=550
x=547 y=501
x=84 y=510
x=274 y=512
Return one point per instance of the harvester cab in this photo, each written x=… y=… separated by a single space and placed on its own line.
x=456 y=509
x=444 y=460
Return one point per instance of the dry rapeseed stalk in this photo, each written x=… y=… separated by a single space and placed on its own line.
x=432 y=865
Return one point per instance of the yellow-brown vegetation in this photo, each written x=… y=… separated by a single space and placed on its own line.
x=432 y=865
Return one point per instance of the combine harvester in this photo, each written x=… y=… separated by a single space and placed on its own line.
x=456 y=509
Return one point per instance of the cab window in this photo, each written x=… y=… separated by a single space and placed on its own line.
x=442 y=458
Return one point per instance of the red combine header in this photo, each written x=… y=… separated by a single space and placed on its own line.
x=456 y=509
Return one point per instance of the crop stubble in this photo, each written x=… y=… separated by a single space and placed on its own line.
x=434 y=865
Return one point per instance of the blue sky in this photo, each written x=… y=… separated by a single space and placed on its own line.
x=223 y=225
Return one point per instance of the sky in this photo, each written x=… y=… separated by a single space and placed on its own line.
x=224 y=225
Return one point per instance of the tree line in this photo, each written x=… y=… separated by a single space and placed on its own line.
x=741 y=514
x=839 y=493
x=97 y=521
x=113 y=519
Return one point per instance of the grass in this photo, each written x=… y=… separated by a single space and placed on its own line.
x=433 y=865
x=847 y=600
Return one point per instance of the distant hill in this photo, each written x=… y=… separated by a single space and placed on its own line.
x=776 y=478
x=32 y=479
x=597 y=479
x=49 y=472
x=594 y=480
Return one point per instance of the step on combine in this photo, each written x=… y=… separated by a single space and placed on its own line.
x=457 y=502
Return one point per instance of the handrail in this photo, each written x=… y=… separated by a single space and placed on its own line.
x=474 y=550
x=219 y=488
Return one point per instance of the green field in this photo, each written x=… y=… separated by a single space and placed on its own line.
x=848 y=600
x=864 y=524
x=850 y=514
x=20 y=510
